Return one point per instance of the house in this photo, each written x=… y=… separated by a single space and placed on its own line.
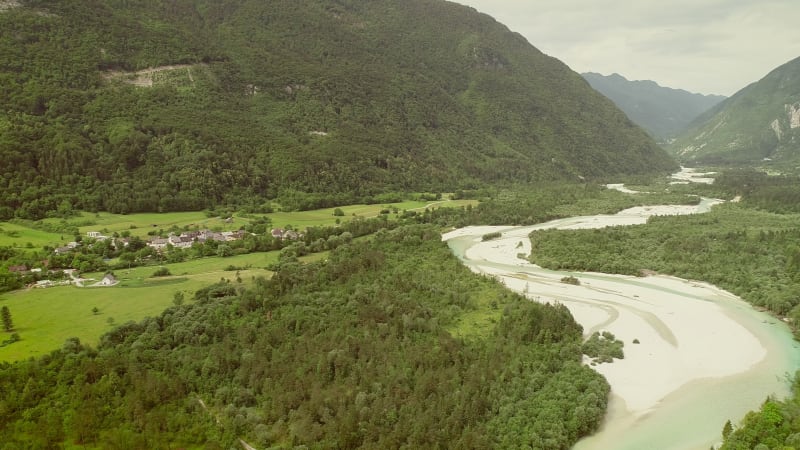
x=213 y=236
x=108 y=280
x=233 y=235
x=180 y=241
x=280 y=233
x=94 y=234
x=62 y=250
x=158 y=243
x=121 y=242
x=191 y=234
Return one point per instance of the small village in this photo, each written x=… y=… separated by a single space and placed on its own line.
x=96 y=252
x=183 y=240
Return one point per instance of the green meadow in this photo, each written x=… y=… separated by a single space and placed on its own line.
x=141 y=223
x=20 y=236
x=45 y=318
x=322 y=217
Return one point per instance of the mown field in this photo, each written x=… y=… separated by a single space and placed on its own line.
x=20 y=236
x=45 y=318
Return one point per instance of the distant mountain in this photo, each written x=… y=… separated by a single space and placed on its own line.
x=664 y=112
x=757 y=124
x=150 y=105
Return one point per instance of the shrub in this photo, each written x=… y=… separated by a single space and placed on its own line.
x=571 y=280
x=162 y=272
x=491 y=236
x=603 y=348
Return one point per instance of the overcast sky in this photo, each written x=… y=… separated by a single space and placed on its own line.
x=705 y=46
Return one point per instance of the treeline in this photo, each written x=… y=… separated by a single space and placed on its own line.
x=750 y=247
x=352 y=352
x=537 y=203
x=755 y=255
x=775 y=193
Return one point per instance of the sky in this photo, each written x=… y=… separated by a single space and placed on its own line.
x=704 y=46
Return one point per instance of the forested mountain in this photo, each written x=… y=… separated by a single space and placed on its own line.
x=147 y=105
x=757 y=124
x=664 y=112
x=358 y=351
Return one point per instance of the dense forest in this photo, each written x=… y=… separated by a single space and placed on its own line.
x=355 y=351
x=127 y=106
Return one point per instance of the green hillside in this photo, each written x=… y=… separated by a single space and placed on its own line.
x=759 y=125
x=664 y=112
x=133 y=106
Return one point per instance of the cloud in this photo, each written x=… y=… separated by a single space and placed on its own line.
x=708 y=46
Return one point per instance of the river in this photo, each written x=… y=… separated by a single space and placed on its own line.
x=702 y=356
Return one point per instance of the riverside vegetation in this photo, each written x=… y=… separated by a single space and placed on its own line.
x=750 y=248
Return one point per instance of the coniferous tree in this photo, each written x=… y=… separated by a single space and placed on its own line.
x=8 y=325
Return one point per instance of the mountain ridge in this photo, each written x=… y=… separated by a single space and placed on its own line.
x=758 y=124
x=663 y=111
x=310 y=102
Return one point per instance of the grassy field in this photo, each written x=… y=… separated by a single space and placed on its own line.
x=13 y=235
x=44 y=318
x=141 y=224
x=321 y=217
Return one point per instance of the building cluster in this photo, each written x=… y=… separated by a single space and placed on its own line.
x=281 y=234
x=187 y=238
x=183 y=240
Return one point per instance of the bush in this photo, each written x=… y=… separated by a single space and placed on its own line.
x=571 y=280
x=603 y=348
x=162 y=272
x=490 y=236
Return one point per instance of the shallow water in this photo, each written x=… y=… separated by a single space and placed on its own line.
x=690 y=416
